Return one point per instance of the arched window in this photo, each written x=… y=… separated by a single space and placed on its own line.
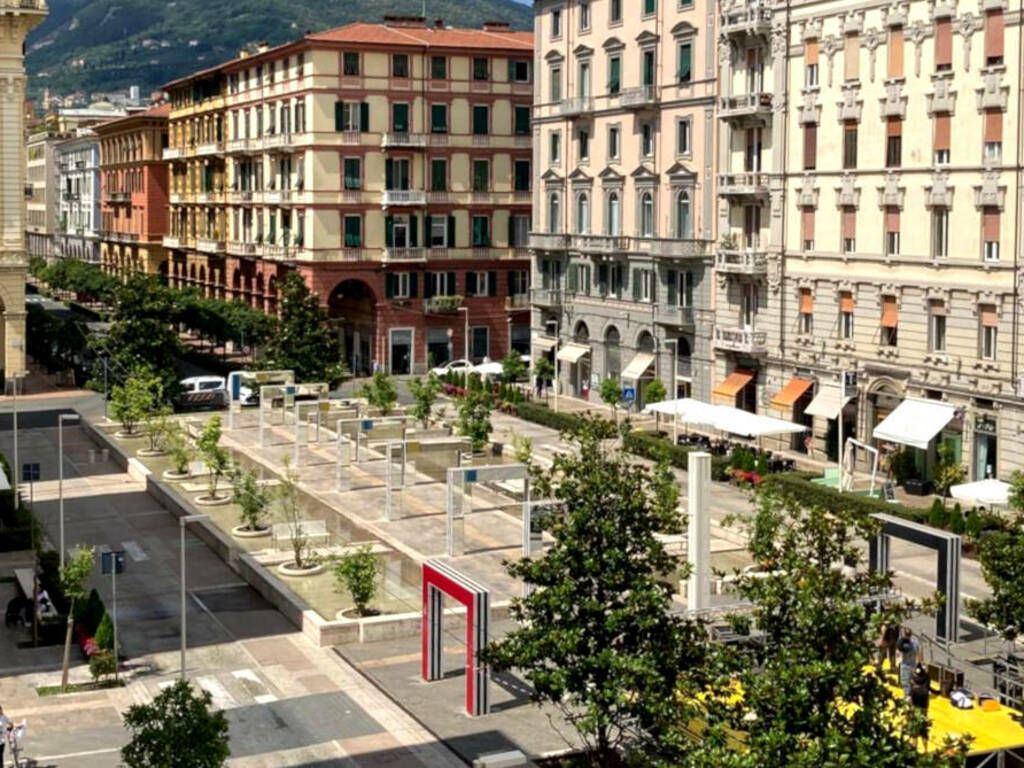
x=613 y=223
x=554 y=213
x=647 y=215
x=612 y=355
x=583 y=213
x=684 y=224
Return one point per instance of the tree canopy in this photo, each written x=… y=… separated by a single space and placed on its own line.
x=303 y=342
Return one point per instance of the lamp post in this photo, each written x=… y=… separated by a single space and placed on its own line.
x=74 y=419
x=465 y=343
x=674 y=392
x=17 y=465
x=558 y=339
x=451 y=346
x=183 y=522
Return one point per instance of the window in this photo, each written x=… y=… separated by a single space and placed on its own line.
x=993 y=136
x=990 y=233
x=399 y=65
x=895 y=63
x=353 y=232
x=398 y=232
x=643 y=285
x=481 y=342
x=989 y=331
x=647 y=215
x=892 y=231
x=613 y=142
x=806 y=315
x=519 y=231
x=481 y=120
x=481 y=175
x=943 y=45
x=584 y=15
x=518 y=282
x=941 y=141
x=440 y=284
x=584 y=80
x=614 y=74
x=438 y=175
x=613 y=217
x=650 y=7
x=936 y=326
x=849 y=242
x=521 y=175
x=810 y=146
x=851 y=58
x=684 y=74
x=811 y=64
x=615 y=11
x=521 y=122
x=850 y=144
x=400 y=118
x=556 y=23
x=476 y=283
x=556 y=84
x=438 y=68
x=353 y=173
x=481 y=226
x=893 y=142
x=684 y=220
x=519 y=71
x=683 y=136
x=437 y=231
x=439 y=118
x=480 y=69
x=994 y=23
x=889 y=322
x=396 y=174
x=396 y=285
x=846 y=315
x=348 y=116
x=583 y=137
x=647 y=68
x=807 y=228
x=680 y=288
x=350 y=63
x=554 y=213
x=556 y=147
x=583 y=214
x=647 y=139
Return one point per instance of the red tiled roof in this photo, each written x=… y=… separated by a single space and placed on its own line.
x=385 y=34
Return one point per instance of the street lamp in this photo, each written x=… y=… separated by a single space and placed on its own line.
x=74 y=419
x=674 y=392
x=465 y=344
x=185 y=521
x=451 y=346
x=16 y=344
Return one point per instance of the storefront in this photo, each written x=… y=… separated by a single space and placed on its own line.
x=985 y=447
x=827 y=404
x=576 y=357
x=790 y=403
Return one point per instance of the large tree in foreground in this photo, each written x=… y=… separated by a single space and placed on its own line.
x=810 y=694
x=1001 y=554
x=303 y=342
x=177 y=730
x=595 y=637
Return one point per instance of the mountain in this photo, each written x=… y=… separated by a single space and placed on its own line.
x=101 y=45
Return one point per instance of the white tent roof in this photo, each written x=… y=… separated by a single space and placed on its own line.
x=488 y=369
x=544 y=342
x=827 y=402
x=724 y=418
x=638 y=365
x=914 y=422
x=990 y=491
x=571 y=353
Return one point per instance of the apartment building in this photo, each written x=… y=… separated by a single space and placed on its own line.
x=871 y=168
x=390 y=164
x=78 y=213
x=42 y=194
x=133 y=190
x=624 y=136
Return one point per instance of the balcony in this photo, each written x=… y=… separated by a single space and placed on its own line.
x=545 y=297
x=549 y=241
x=741 y=262
x=641 y=97
x=741 y=340
x=748 y=107
x=24 y=5
x=239 y=196
x=176 y=198
x=207 y=196
x=673 y=314
x=392 y=255
x=119 y=197
x=392 y=197
x=674 y=248
x=279 y=252
x=403 y=140
x=172 y=153
x=236 y=248
x=751 y=18
x=576 y=105
x=442 y=305
x=209 y=245
x=172 y=241
x=240 y=146
x=599 y=243
x=279 y=196
x=209 y=148
x=517 y=302
x=278 y=142
x=743 y=184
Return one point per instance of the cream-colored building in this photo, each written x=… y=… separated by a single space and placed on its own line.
x=17 y=18
x=624 y=207
x=870 y=167
x=42 y=197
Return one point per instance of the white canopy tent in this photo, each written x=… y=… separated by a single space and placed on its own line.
x=724 y=418
x=914 y=422
x=990 y=492
x=488 y=369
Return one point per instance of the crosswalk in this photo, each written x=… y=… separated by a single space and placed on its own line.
x=229 y=689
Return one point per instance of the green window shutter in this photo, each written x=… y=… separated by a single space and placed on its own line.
x=339 y=120
x=389 y=286
x=400 y=118
x=427 y=228
x=471 y=283
x=522 y=126
x=389 y=174
x=636 y=285
x=414 y=229
x=613 y=77
x=413 y=287
x=673 y=288
x=602 y=279
x=511 y=71
x=685 y=63
x=480 y=121
x=428 y=285
x=654 y=286
x=389 y=231
x=451 y=232
x=438 y=118
x=451 y=283
x=512 y=232
x=492 y=284
x=364 y=117
x=510 y=287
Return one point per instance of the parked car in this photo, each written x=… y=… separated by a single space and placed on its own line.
x=453 y=366
x=199 y=392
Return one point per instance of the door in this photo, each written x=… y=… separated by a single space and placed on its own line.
x=748 y=309
x=401 y=351
x=984 y=456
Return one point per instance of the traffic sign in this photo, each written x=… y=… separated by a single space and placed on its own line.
x=629 y=394
x=30 y=472
x=111 y=560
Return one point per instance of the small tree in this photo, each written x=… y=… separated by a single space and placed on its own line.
x=424 y=393
x=102 y=664
x=974 y=525
x=655 y=391
x=475 y=417
x=178 y=729
x=948 y=471
x=303 y=341
x=290 y=503
x=179 y=448
x=136 y=399
x=611 y=395
x=513 y=368
x=543 y=371
x=72 y=583
x=104 y=636
x=381 y=393
x=938 y=516
x=358 y=571
x=157 y=427
x=252 y=497
x=214 y=455
x=957 y=523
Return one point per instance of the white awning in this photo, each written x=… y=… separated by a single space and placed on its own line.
x=914 y=422
x=990 y=491
x=685 y=409
x=724 y=418
x=571 y=353
x=827 y=402
x=638 y=365
x=544 y=342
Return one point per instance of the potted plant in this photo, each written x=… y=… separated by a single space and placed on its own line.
x=252 y=498
x=180 y=451
x=357 y=572
x=215 y=456
x=475 y=418
x=156 y=428
x=303 y=562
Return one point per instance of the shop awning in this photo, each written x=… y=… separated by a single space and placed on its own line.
x=914 y=422
x=544 y=342
x=827 y=403
x=571 y=353
x=638 y=365
x=790 y=393
x=733 y=383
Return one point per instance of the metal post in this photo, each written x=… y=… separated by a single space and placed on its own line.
x=698 y=535
x=106 y=389
x=17 y=464
x=113 y=586
x=675 y=391
x=60 y=482
x=558 y=339
x=465 y=343
x=842 y=389
x=183 y=521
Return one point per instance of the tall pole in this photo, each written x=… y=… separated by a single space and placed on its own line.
x=842 y=389
x=60 y=482
x=675 y=391
x=17 y=466
x=183 y=616
x=558 y=339
x=113 y=586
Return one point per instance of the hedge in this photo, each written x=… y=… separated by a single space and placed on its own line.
x=798 y=486
x=651 y=446
x=563 y=422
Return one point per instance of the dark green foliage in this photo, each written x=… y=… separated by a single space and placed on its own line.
x=513 y=368
x=91 y=613
x=101 y=664
x=381 y=393
x=938 y=517
x=424 y=393
x=563 y=422
x=474 y=419
x=741 y=457
x=177 y=730
x=87 y=281
x=303 y=343
x=957 y=523
x=797 y=486
x=56 y=343
x=974 y=525
x=901 y=463
x=652 y=447
x=105 y=633
x=358 y=572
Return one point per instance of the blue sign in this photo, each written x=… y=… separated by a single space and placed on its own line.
x=629 y=394
x=112 y=560
x=367 y=425
x=471 y=476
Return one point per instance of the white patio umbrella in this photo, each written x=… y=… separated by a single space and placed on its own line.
x=488 y=369
x=990 y=492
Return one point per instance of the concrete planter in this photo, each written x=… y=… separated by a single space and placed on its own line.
x=170 y=474
x=212 y=501
x=242 y=532
x=122 y=435
x=287 y=569
x=147 y=453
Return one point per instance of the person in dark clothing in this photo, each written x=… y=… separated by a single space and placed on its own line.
x=920 y=691
x=887 y=636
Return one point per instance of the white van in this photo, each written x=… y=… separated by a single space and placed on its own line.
x=202 y=392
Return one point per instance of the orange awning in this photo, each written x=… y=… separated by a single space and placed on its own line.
x=790 y=393
x=736 y=381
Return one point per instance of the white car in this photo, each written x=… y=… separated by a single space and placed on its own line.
x=453 y=366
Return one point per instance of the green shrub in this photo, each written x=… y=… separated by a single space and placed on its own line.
x=358 y=572
x=974 y=525
x=105 y=633
x=91 y=612
x=563 y=422
x=101 y=664
x=938 y=517
x=957 y=524
x=798 y=487
x=651 y=446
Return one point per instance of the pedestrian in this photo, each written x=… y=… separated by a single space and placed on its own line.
x=809 y=446
x=920 y=690
x=888 y=634
x=910 y=656
x=5 y=725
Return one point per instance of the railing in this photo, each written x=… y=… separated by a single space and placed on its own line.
x=673 y=314
x=741 y=340
x=404 y=254
x=403 y=140
x=177 y=198
x=210 y=245
x=641 y=96
x=575 y=105
x=517 y=301
x=545 y=297
x=24 y=5
x=278 y=141
x=549 y=241
x=670 y=247
x=749 y=18
x=599 y=243
x=210 y=148
x=741 y=262
x=403 y=197
x=236 y=248
x=745 y=105
x=442 y=305
x=172 y=241
x=279 y=251
x=172 y=153
x=240 y=196
x=752 y=183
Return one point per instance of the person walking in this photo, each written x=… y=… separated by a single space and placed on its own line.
x=5 y=725
x=920 y=691
x=888 y=634
x=910 y=656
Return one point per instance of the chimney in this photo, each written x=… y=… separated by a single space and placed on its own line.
x=496 y=26
x=405 y=21
x=438 y=23
x=262 y=47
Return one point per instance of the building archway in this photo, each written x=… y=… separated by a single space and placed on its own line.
x=612 y=353
x=352 y=305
